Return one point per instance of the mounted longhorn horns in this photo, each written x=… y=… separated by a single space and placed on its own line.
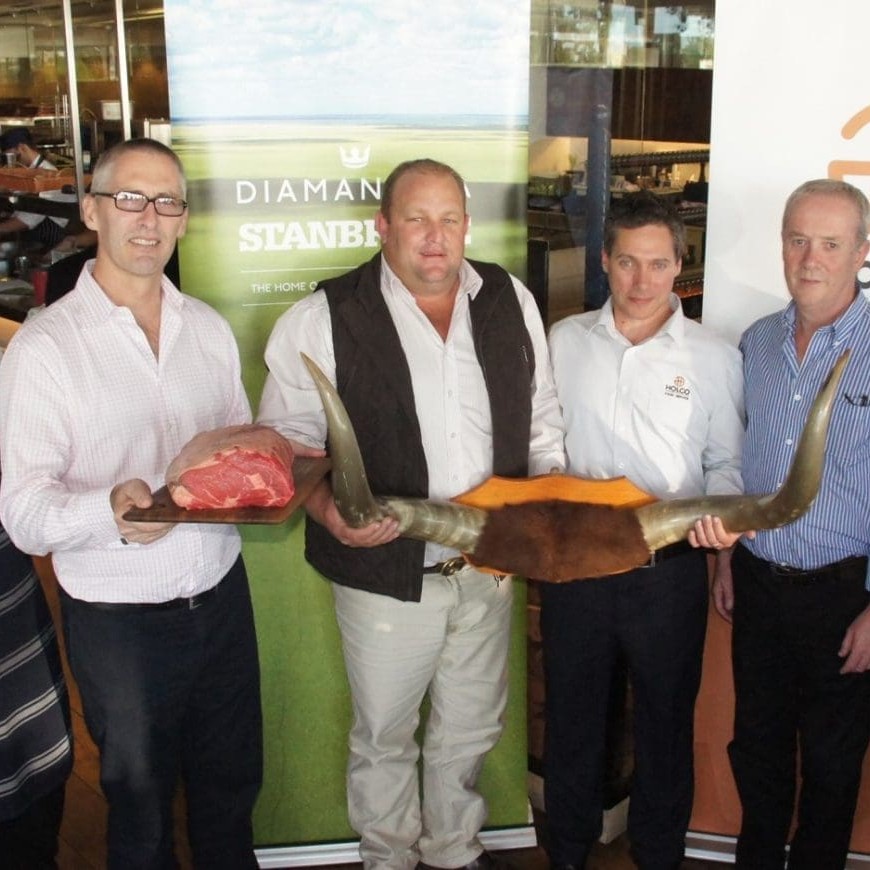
x=562 y=540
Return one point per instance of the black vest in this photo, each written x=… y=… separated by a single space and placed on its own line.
x=374 y=382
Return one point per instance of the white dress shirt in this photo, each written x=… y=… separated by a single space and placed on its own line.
x=84 y=405
x=666 y=413
x=449 y=391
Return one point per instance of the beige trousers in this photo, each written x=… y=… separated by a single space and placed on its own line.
x=453 y=643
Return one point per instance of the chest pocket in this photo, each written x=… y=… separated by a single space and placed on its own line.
x=849 y=437
x=669 y=407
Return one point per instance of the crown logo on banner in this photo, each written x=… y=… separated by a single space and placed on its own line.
x=355 y=157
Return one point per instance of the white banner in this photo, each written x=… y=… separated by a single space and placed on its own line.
x=790 y=102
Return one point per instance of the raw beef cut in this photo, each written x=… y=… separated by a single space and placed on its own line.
x=238 y=466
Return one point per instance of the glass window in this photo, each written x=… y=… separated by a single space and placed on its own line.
x=620 y=96
x=634 y=33
x=34 y=80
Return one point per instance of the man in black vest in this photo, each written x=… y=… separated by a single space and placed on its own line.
x=443 y=367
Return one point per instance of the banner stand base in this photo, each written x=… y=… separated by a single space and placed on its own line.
x=348 y=852
x=710 y=847
x=717 y=847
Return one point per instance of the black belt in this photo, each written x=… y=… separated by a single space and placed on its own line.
x=173 y=604
x=447 y=568
x=680 y=548
x=847 y=566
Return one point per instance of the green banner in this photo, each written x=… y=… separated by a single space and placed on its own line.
x=307 y=703
x=287 y=123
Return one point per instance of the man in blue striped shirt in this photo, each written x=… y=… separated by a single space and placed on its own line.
x=801 y=641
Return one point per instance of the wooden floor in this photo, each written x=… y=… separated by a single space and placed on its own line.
x=83 y=832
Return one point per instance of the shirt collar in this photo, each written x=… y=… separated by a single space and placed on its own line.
x=96 y=305
x=674 y=327
x=469 y=281
x=842 y=327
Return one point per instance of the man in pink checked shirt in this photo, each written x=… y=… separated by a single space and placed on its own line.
x=97 y=396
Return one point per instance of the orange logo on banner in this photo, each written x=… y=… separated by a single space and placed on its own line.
x=839 y=169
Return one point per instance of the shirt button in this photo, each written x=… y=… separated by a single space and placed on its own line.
x=797 y=397
x=789 y=441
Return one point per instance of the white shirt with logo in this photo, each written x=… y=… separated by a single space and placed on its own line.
x=666 y=413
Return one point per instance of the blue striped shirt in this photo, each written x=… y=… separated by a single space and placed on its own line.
x=779 y=392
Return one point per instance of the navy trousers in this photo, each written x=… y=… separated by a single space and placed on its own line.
x=169 y=694
x=655 y=620
x=789 y=692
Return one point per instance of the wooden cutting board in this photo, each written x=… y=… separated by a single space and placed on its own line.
x=307 y=473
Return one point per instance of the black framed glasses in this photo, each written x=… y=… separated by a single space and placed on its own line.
x=129 y=200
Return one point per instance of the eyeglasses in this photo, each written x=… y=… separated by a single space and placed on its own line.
x=128 y=200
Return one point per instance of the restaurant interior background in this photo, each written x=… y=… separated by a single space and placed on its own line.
x=619 y=98
x=34 y=74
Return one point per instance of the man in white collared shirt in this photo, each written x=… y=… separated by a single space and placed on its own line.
x=652 y=396
x=443 y=366
x=97 y=396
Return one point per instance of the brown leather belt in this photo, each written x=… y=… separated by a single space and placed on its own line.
x=447 y=568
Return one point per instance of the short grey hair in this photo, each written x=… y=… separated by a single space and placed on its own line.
x=833 y=187
x=106 y=162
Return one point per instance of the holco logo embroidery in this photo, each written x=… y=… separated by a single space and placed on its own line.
x=678 y=388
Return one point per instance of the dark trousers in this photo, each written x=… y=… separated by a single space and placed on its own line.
x=654 y=619
x=29 y=841
x=787 y=633
x=171 y=693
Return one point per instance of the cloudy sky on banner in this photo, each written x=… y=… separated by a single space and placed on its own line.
x=353 y=57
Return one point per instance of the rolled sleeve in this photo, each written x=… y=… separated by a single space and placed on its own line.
x=722 y=457
x=290 y=402
x=546 y=442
